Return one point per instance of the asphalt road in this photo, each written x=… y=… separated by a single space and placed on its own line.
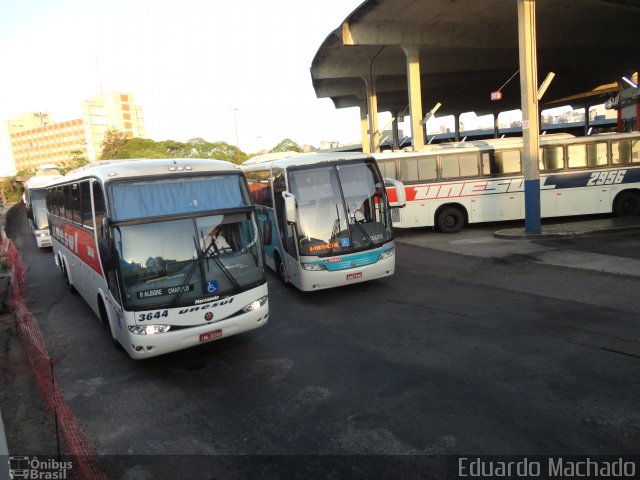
x=475 y=346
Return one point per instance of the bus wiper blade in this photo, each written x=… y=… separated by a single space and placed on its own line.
x=226 y=271
x=364 y=232
x=195 y=264
x=334 y=231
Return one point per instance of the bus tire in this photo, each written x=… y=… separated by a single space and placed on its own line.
x=67 y=280
x=281 y=270
x=627 y=204
x=450 y=220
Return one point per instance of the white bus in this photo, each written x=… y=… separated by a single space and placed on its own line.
x=136 y=239
x=449 y=185
x=325 y=218
x=34 y=200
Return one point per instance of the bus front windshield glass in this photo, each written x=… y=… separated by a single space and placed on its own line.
x=39 y=209
x=341 y=208
x=175 y=262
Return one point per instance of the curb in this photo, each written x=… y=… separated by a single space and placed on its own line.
x=520 y=234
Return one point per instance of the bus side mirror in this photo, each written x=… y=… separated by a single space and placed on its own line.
x=266 y=233
x=289 y=206
x=400 y=195
x=29 y=213
x=105 y=248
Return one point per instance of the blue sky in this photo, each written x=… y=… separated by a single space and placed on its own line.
x=188 y=64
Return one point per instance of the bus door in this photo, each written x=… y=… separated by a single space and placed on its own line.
x=287 y=231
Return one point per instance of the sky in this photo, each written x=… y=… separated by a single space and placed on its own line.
x=189 y=64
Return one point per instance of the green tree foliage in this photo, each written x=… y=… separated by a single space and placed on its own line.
x=113 y=144
x=77 y=160
x=286 y=145
x=10 y=190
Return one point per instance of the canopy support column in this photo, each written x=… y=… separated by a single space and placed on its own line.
x=530 y=115
x=412 y=54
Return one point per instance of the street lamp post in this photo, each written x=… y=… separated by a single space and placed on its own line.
x=235 y=124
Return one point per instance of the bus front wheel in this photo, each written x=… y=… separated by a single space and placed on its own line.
x=627 y=204
x=450 y=220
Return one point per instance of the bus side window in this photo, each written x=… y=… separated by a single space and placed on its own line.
x=85 y=197
x=635 y=151
x=597 y=154
x=99 y=207
x=576 y=156
x=454 y=166
x=510 y=161
x=409 y=170
x=66 y=194
x=427 y=168
x=621 y=152
x=75 y=202
x=551 y=158
x=387 y=169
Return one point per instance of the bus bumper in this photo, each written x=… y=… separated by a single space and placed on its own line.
x=147 y=346
x=43 y=239
x=319 y=280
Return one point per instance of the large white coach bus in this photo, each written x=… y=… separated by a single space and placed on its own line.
x=34 y=200
x=449 y=185
x=165 y=252
x=325 y=218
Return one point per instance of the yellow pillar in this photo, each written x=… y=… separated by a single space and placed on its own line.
x=530 y=115
x=412 y=53
x=372 y=104
x=364 y=127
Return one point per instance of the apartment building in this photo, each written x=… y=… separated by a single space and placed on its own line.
x=35 y=139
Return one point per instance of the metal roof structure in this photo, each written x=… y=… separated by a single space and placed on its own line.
x=469 y=48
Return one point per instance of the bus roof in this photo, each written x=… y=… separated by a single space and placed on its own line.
x=41 y=181
x=144 y=167
x=300 y=159
x=498 y=143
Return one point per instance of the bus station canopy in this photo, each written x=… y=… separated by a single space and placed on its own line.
x=469 y=48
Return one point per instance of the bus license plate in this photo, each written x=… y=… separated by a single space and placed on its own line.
x=353 y=276
x=208 y=336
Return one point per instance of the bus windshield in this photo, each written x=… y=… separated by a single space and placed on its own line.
x=341 y=208
x=179 y=261
x=39 y=208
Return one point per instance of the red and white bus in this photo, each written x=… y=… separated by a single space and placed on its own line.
x=131 y=238
x=450 y=185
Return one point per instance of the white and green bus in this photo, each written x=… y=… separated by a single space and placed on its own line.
x=325 y=218
x=131 y=238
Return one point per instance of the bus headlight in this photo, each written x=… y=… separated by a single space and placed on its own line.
x=149 y=329
x=313 y=267
x=387 y=253
x=255 y=305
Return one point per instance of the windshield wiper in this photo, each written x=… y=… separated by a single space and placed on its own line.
x=364 y=232
x=197 y=261
x=334 y=231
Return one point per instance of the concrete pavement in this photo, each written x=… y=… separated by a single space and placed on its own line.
x=573 y=229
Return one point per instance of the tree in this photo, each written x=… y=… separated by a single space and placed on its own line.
x=77 y=160
x=10 y=190
x=286 y=145
x=113 y=144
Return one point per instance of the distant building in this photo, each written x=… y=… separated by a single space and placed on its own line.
x=33 y=138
